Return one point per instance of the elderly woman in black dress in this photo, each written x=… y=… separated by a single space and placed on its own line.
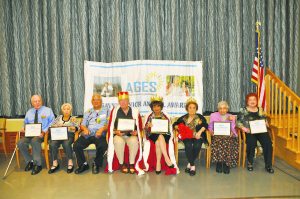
x=198 y=125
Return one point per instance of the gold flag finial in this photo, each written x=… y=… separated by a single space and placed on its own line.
x=258 y=24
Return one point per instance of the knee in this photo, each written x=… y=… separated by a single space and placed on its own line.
x=132 y=140
x=118 y=140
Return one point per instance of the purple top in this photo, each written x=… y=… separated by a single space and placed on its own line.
x=217 y=117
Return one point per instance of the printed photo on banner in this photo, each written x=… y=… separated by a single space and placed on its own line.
x=180 y=85
x=107 y=86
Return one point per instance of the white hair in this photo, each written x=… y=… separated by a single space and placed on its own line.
x=223 y=103
x=66 y=104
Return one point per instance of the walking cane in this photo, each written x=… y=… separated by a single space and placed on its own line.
x=10 y=159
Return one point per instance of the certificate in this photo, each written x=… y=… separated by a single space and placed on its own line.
x=160 y=126
x=33 y=130
x=222 y=128
x=59 y=133
x=258 y=126
x=126 y=124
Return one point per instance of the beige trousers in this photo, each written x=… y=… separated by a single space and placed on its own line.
x=133 y=145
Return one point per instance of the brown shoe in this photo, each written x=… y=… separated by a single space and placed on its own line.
x=124 y=168
x=131 y=169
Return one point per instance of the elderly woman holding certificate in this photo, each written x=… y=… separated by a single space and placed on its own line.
x=71 y=125
x=124 y=138
x=191 y=128
x=252 y=114
x=224 y=139
x=159 y=146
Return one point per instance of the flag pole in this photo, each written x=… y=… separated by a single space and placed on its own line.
x=258 y=24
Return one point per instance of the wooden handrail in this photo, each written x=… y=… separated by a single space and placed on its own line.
x=289 y=91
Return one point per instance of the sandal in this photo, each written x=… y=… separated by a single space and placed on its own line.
x=131 y=169
x=124 y=168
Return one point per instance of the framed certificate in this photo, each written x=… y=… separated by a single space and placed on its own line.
x=160 y=126
x=222 y=128
x=258 y=126
x=33 y=130
x=59 y=133
x=126 y=124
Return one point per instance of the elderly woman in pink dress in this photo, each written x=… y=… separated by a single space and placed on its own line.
x=224 y=148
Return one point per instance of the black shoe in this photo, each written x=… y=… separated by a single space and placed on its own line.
x=269 y=169
x=82 y=168
x=36 y=169
x=219 y=167
x=187 y=170
x=95 y=169
x=157 y=172
x=53 y=169
x=29 y=166
x=249 y=167
x=226 y=169
x=71 y=169
x=192 y=172
x=171 y=166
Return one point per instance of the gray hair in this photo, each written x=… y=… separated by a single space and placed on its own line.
x=223 y=103
x=66 y=104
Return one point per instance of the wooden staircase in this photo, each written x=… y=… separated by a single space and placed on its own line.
x=283 y=110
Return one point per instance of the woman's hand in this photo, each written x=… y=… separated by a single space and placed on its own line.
x=198 y=135
x=231 y=118
x=149 y=125
x=176 y=127
x=246 y=130
x=212 y=133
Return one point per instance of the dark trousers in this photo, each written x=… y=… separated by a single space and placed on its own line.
x=192 y=149
x=66 y=144
x=82 y=143
x=266 y=143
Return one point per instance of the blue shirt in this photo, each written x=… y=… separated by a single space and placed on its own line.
x=45 y=117
x=95 y=120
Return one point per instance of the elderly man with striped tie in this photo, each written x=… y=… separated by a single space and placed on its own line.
x=37 y=114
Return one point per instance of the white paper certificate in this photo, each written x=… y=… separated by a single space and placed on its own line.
x=126 y=124
x=33 y=130
x=222 y=128
x=59 y=133
x=258 y=126
x=160 y=126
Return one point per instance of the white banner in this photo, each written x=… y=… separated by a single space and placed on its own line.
x=175 y=81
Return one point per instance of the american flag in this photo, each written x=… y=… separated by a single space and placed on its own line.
x=258 y=73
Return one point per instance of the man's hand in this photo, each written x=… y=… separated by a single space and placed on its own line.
x=85 y=132
x=71 y=128
x=42 y=134
x=134 y=133
x=119 y=133
x=99 y=133
x=22 y=130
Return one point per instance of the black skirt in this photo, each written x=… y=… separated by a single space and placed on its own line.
x=154 y=137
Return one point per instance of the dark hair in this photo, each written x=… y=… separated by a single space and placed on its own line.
x=189 y=103
x=159 y=103
x=251 y=95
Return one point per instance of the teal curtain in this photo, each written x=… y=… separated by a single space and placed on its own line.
x=43 y=44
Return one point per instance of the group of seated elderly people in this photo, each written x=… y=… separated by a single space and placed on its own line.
x=124 y=147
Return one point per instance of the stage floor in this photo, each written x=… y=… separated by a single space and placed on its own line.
x=240 y=183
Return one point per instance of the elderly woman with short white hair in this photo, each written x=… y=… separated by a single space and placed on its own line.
x=224 y=147
x=64 y=120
